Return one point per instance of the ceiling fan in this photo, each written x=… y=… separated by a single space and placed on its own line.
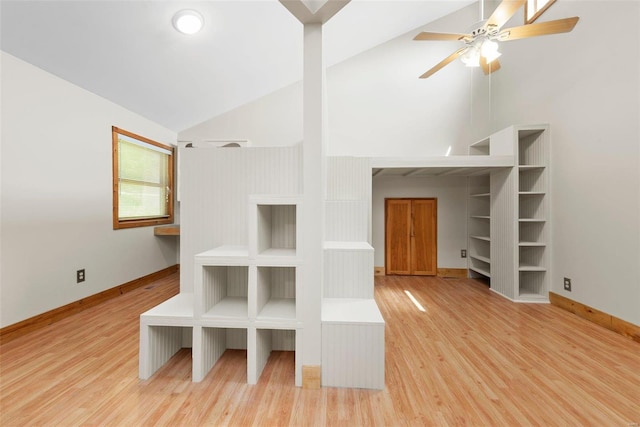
x=481 y=44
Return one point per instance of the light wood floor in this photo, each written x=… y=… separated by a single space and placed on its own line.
x=473 y=358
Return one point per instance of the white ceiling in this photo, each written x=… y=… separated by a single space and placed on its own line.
x=128 y=52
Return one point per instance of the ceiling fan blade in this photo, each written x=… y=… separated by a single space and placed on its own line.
x=441 y=36
x=445 y=62
x=490 y=67
x=504 y=12
x=541 y=29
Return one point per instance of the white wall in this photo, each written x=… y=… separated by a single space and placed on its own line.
x=586 y=85
x=57 y=195
x=271 y=121
x=377 y=106
x=451 y=193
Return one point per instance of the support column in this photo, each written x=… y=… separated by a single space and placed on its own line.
x=313 y=14
x=314 y=195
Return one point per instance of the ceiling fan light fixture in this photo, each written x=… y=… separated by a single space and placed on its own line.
x=471 y=58
x=188 y=21
x=489 y=50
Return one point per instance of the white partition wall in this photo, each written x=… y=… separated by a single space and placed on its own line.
x=216 y=183
x=241 y=258
x=352 y=326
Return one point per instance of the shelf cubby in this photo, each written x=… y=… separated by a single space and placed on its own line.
x=273 y=234
x=266 y=341
x=479 y=206
x=531 y=205
x=479 y=227
x=224 y=292
x=276 y=230
x=276 y=294
x=210 y=343
x=532 y=255
x=480 y=266
x=531 y=147
x=531 y=179
x=481 y=248
x=532 y=232
x=532 y=286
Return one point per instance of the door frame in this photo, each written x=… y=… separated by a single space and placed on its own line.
x=386 y=235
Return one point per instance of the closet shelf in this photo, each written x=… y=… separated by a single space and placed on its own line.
x=524 y=267
x=532 y=220
x=532 y=244
x=531 y=167
x=480 y=270
x=484 y=238
x=481 y=195
x=481 y=216
x=531 y=193
x=481 y=258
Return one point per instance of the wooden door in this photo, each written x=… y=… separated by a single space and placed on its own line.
x=411 y=236
x=398 y=236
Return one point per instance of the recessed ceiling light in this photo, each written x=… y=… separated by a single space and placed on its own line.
x=188 y=21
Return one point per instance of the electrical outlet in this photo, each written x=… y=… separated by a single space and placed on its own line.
x=463 y=253
x=80 y=276
x=567 y=284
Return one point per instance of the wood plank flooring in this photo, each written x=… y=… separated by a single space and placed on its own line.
x=472 y=358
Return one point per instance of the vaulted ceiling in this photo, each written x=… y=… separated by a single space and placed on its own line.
x=128 y=51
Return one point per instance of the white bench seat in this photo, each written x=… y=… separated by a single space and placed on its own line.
x=164 y=329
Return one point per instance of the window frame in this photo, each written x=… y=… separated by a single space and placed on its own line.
x=140 y=222
x=538 y=11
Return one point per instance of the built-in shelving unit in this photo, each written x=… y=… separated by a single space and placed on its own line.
x=509 y=215
x=241 y=257
x=479 y=254
x=533 y=212
x=246 y=297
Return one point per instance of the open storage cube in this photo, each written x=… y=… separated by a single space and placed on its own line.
x=209 y=343
x=533 y=285
x=531 y=179
x=531 y=147
x=532 y=257
x=276 y=230
x=266 y=341
x=531 y=206
x=224 y=292
x=276 y=294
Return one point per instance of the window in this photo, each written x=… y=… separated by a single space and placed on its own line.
x=534 y=8
x=142 y=181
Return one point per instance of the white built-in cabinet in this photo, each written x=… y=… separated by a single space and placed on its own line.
x=509 y=225
x=242 y=219
x=246 y=296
